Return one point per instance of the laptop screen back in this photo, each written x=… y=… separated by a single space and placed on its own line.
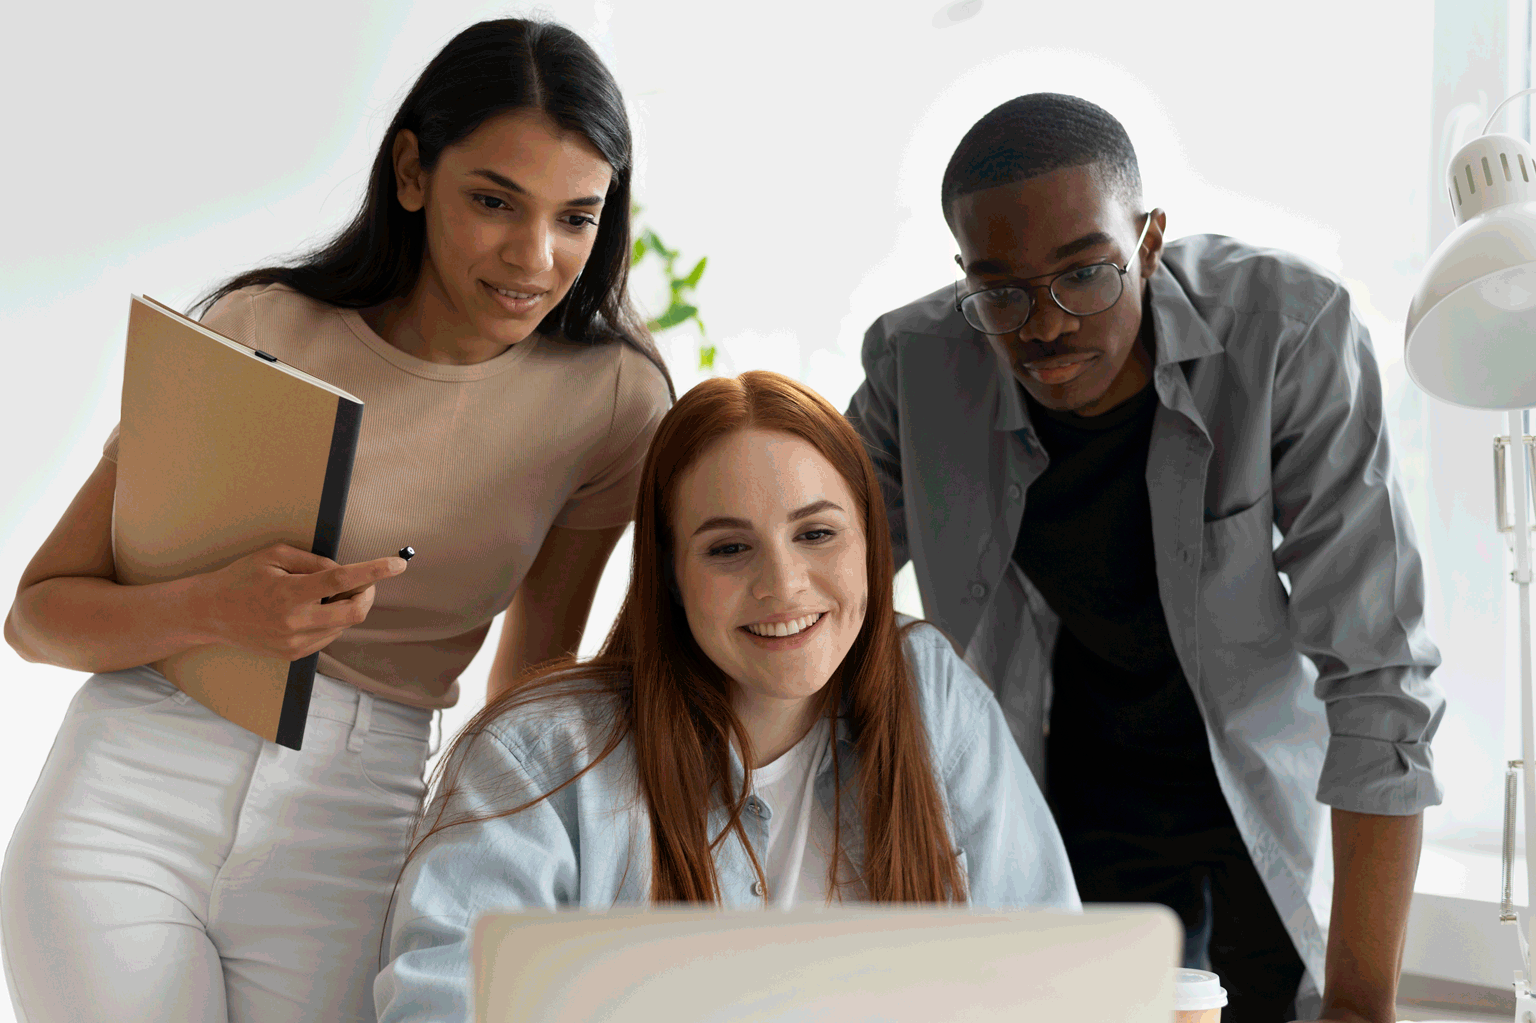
x=868 y=963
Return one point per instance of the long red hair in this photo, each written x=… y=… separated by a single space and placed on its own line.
x=675 y=702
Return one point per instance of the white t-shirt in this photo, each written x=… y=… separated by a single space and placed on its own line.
x=800 y=829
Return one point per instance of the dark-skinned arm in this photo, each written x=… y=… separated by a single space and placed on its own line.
x=1356 y=608
x=1376 y=859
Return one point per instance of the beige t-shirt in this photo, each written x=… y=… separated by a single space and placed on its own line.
x=470 y=465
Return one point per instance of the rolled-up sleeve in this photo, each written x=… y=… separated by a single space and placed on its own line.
x=525 y=861
x=874 y=413
x=1357 y=582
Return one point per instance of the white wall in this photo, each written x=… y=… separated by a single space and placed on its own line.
x=158 y=147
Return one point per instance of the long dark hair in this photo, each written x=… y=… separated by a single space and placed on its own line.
x=486 y=70
x=675 y=701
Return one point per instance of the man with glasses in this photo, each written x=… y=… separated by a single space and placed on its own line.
x=1087 y=446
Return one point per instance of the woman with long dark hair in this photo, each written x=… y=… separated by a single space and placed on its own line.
x=758 y=728
x=170 y=865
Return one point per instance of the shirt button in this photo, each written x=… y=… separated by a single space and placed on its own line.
x=1015 y=492
x=978 y=590
x=757 y=888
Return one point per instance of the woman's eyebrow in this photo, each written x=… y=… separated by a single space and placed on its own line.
x=513 y=186
x=729 y=522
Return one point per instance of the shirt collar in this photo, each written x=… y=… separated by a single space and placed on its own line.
x=842 y=729
x=1181 y=333
x=1006 y=397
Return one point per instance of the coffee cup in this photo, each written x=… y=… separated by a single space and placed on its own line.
x=1197 y=997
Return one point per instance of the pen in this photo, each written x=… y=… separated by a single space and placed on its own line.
x=406 y=553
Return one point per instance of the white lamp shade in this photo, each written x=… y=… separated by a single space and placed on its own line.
x=1471 y=331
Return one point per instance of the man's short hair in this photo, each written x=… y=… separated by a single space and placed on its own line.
x=1038 y=133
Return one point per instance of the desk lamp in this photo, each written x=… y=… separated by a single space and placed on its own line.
x=1471 y=342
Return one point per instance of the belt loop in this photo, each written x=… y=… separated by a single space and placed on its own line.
x=363 y=720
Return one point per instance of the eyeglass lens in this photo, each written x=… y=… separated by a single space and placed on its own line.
x=1082 y=292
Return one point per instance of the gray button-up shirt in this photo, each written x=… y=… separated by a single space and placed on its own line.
x=589 y=843
x=1269 y=423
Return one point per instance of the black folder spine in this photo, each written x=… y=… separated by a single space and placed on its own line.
x=333 y=508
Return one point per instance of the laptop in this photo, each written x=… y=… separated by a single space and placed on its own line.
x=890 y=964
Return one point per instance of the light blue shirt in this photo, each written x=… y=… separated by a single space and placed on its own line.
x=1269 y=425
x=589 y=844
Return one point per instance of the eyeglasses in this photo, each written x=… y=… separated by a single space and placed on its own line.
x=1081 y=291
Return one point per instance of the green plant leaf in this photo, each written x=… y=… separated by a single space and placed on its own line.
x=675 y=315
x=656 y=243
x=679 y=311
x=707 y=357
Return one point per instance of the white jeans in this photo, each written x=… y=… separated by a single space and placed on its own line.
x=172 y=866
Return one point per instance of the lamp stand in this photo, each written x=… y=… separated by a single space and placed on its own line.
x=1520 y=464
x=1467 y=342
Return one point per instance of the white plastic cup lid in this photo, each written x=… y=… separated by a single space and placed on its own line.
x=1197 y=989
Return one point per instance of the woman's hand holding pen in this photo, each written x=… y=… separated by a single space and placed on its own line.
x=270 y=602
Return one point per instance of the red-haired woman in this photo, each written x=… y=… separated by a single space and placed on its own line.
x=758 y=728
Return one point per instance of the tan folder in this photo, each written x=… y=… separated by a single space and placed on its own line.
x=224 y=451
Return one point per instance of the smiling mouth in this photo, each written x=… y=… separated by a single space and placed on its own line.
x=516 y=298
x=782 y=630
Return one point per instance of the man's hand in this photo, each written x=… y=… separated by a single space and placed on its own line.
x=1375 y=862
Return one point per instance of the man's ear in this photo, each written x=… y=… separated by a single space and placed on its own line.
x=410 y=179
x=1152 y=244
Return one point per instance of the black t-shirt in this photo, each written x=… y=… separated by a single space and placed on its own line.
x=1127 y=748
